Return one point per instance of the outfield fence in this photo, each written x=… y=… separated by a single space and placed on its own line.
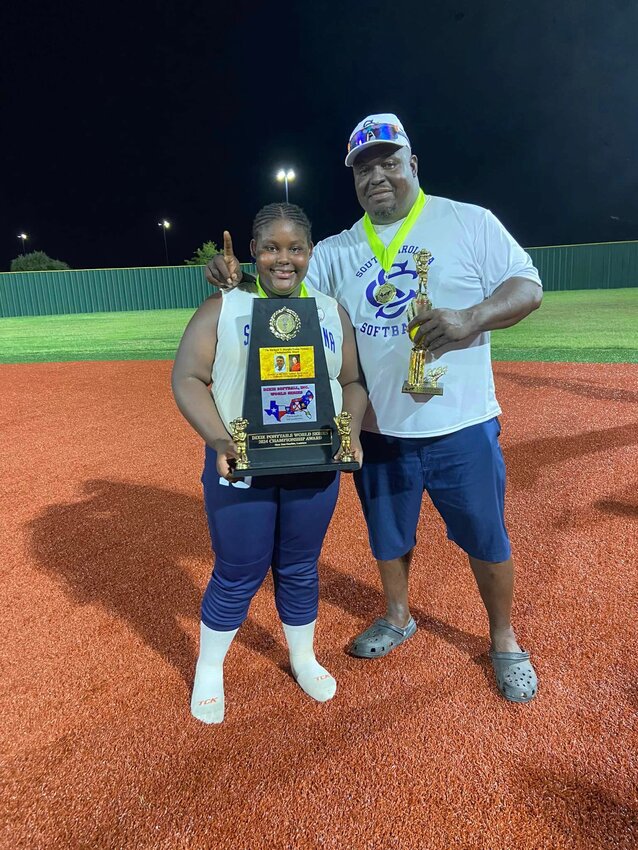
x=603 y=265
x=103 y=290
x=598 y=265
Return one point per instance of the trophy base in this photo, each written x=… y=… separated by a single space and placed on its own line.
x=296 y=469
x=421 y=389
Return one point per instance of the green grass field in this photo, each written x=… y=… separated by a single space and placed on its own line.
x=591 y=326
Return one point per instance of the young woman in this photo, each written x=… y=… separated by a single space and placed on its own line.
x=264 y=522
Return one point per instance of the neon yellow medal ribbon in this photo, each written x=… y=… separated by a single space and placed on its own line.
x=386 y=256
x=303 y=292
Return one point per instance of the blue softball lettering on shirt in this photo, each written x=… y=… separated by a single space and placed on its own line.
x=394 y=308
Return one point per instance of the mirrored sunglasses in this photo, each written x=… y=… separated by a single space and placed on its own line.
x=378 y=132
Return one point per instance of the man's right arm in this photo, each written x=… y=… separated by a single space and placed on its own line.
x=224 y=270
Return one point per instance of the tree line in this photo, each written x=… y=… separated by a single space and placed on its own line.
x=39 y=261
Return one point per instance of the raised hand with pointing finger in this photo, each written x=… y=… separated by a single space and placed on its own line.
x=224 y=270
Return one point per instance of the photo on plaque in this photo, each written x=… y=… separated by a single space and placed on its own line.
x=286 y=363
x=292 y=403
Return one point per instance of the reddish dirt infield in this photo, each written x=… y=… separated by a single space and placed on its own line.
x=105 y=559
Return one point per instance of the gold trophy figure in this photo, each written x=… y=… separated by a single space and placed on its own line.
x=344 y=428
x=238 y=433
x=422 y=381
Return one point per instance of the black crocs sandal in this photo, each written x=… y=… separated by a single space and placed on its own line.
x=380 y=638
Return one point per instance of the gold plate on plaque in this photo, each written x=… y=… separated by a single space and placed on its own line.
x=285 y=323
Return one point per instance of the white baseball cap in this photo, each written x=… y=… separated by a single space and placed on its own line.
x=382 y=129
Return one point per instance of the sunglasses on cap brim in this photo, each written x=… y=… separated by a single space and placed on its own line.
x=376 y=132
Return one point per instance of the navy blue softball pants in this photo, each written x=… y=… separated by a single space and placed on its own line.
x=279 y=522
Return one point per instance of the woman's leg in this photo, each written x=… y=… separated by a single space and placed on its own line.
x=306 y=505
x=242 y=529
x=207 y=699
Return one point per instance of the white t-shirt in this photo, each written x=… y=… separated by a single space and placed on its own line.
x=233 y=339
x=473 y=254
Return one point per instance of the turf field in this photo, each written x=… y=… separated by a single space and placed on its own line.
x=105 y=556
x=583 y=326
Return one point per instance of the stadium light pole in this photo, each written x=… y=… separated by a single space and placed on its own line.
x=164 y=225
x=286 y=175
x=23 y=237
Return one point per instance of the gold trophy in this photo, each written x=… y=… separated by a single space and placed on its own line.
x=344 y=428
x=421 y=380
x=238 y=433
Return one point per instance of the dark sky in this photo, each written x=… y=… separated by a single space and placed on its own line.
x=119 y=114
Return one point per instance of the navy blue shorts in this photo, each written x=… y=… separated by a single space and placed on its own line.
x=464 y=475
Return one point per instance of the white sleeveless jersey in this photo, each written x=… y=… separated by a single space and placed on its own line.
x=473 y=254
x=233 y=337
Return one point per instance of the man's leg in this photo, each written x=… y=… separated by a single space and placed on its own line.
x=515 y=677
x=466 y=482
x=496 y=585
x=390 y=488
x=394 y=578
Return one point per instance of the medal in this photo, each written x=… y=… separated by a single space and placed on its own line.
x=386 y=256
x=384 y=293
x=285 y=323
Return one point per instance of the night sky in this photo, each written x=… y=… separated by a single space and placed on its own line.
x=119 y=114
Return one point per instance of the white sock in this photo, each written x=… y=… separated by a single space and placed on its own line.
x=207 y=701
x=310 y=675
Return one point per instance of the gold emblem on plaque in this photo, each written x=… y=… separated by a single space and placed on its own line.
x=421 y=380
x=384 y=293
x=285 y=323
